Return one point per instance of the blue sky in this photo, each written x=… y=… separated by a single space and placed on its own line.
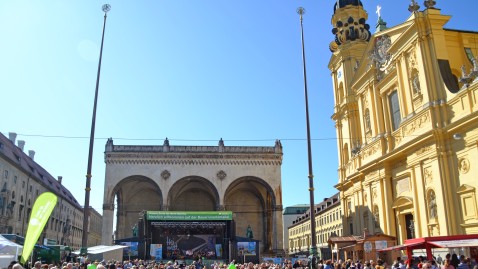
x=194 y=71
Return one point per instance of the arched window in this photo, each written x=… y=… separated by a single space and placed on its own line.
x=368 y=125
x=341 y=93
x=395 y=110
x=345 y=152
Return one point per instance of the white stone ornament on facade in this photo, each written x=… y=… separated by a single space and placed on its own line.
x=380 y=56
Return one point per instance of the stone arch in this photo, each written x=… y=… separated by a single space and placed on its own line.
x=253 y=202
x=134 y=194
x=193 y=193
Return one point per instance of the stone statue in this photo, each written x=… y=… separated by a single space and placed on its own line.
x=249 y=233
x=432 y=204
x=135 y=230
x=416 y=84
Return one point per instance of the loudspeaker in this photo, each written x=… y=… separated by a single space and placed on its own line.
x=231 y=231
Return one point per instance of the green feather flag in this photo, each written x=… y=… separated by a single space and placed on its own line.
x=39 y=217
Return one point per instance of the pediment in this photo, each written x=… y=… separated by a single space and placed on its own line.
x=465 y=188
x=402 y=201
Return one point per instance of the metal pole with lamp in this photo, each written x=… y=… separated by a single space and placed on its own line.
x=313 y=247
x=86 y=209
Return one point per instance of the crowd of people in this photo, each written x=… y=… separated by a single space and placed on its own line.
x=451 y=261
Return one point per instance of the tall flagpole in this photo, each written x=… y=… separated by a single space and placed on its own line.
x=313 y=246
x=86 y=209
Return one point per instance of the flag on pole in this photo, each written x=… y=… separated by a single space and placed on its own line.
x=39 y=217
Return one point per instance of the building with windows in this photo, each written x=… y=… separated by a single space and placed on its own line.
x=95 y=228
x=289 y=215
x=22 y=181
x=407 y=123
x=328 y=223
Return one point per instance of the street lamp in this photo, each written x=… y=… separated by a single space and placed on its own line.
x=86 y=209
x=313 y=247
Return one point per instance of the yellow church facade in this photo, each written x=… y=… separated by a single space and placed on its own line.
x=406 y=101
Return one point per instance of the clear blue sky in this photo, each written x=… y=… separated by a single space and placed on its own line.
x=194 y=71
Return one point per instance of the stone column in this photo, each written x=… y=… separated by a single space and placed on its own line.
x=277 y=228
x=107 y=230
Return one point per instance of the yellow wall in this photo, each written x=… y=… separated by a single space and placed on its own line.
x=387 y=175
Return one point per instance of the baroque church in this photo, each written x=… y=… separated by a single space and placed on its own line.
x=406 y=118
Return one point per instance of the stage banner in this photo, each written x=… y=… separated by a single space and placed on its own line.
x=156 y=252
x=219 y=250
x=189 y=215
x=41 y=211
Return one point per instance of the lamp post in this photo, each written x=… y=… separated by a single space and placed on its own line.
x=86 y=209
x=313 y=246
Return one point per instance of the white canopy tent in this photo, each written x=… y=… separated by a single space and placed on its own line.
x=9 y=251
x=106 y=253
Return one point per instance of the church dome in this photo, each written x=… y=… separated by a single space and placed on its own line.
x=344 y=3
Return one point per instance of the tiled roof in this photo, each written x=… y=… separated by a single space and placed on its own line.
x=345 y=239
x=323 y=206
x=10 y=151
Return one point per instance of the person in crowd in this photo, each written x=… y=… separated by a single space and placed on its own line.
x=463 y=264
x=367 y=265
x=439 y=260
x=447 y=264
x=426 y=265
x=379 y=264
x=328 y=264
x=17 y=266
x=454 y=260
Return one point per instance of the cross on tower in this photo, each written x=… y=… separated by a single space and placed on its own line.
x=378 y=11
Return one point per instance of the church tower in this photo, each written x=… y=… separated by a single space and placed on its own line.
x=352 y=35
x=406 y=121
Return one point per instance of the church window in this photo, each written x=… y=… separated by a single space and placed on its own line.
x=20 y=210
x=367 y=120
x=341 y=93
x=345 y=152
x=395 y=110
